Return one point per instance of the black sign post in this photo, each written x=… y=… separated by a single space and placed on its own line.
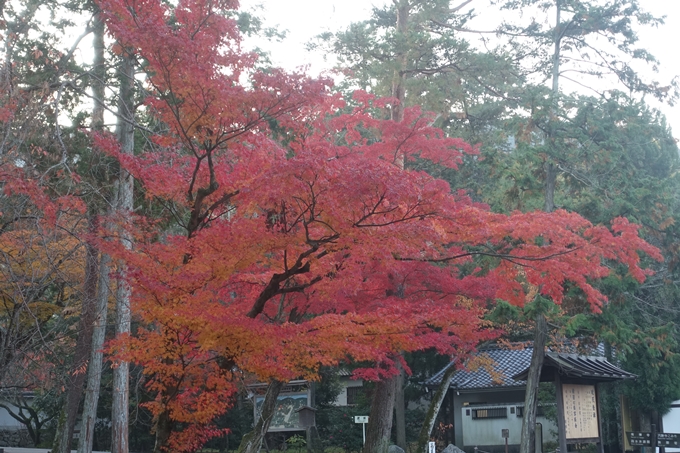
x=668 y=440
x=653 y=439
x=639 y=439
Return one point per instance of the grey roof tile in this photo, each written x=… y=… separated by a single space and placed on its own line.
x=507 y=363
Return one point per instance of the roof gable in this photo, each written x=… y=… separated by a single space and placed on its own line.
x=576 y=366
x=510 y=368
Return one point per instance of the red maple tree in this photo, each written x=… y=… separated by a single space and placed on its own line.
x=306 y=240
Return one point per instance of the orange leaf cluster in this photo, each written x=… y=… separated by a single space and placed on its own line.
x=308 y=242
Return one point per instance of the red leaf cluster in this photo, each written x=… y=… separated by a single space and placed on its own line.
x=308 y=243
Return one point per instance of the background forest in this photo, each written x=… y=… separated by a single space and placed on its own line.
x=181 y=220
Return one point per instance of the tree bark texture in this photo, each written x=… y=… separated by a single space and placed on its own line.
x=163 y=427
x=397 y=115
x=400 y=409
x=528 y=437
x=390 y=387
x=379 y=429
x=435 y=406
x=398 y=79
x=551 y=168
x=124 y=205
x=252 y=441
x=76 y=378
x=645 y=421
x=550 y=183
x=98 y=73
x=94 y=369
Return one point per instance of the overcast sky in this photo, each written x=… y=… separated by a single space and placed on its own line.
x=304 y=19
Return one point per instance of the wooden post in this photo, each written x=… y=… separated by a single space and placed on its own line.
x=600 y=444
x=561 y=425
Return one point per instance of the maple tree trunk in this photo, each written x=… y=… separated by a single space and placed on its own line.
x=76 y=378
x=528 y=438
x=433 y=409
x=252 y=441
x=400 y=409
x=379 y=429
x=94 y=369
x=163 y=427
x=124 y=205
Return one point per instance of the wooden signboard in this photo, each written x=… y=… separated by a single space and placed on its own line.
x=286 y=416
x=580 y=412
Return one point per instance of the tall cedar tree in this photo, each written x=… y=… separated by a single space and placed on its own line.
x=568 y=47
x=413 y=51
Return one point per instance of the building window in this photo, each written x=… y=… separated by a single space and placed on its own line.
x=353 y=395
x=492 y=412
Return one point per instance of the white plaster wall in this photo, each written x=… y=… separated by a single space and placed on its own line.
x=7 y=421
x=671 y=423
x=488 y=431
x=346 y=382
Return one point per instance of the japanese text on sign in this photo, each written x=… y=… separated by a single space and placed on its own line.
x=580 y=411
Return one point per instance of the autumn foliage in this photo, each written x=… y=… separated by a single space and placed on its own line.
x=307 y=239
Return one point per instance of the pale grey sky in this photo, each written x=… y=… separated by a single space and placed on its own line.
x=304 y=19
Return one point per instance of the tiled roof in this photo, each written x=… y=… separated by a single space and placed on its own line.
x=583 y=367
x=510 y=368
x=507 y=363
x=344 y=372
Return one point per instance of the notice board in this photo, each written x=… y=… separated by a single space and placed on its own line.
x=580 y=411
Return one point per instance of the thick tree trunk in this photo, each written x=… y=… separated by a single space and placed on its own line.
x=398 y=78
x=124 y=205
x=380 y=423
x=76 y=378
x=252 y=441
x=397 y=114
x=94 y=370
x=528 y=438
x=99 y=73
x=645 y=421
x=163 y=427
x=550 y=182
x=379 y=429
x=400 y=409
x=435 y=406
x=121 y=372
x=551 y=169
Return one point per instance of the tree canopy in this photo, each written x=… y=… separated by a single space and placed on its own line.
x=283 y=226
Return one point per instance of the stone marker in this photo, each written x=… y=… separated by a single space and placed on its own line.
x=452 y=449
